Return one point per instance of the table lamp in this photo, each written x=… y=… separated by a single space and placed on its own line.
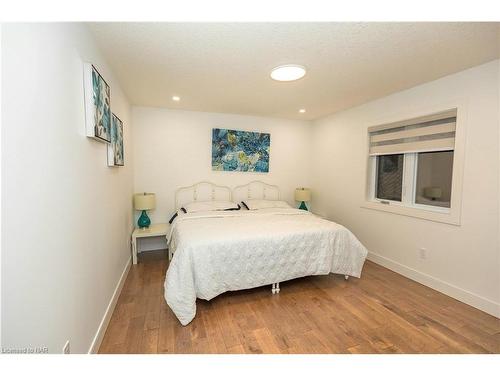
x=302 y=195
x=143 y=202
x=433 y=192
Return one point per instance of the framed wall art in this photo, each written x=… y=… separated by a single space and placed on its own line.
x=116 y=155
x=97 y=105
x=237 y=150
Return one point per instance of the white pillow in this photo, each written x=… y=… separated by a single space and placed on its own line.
x=258 y=204
x=210 y=206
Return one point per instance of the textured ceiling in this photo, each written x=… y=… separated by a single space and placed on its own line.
x=224 y=67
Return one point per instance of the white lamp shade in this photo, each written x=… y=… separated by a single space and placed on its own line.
x=144 y=201
x=302 y=195
x=433 y=192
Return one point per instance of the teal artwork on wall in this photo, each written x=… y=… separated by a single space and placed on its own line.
x=115 y=148
x=97 y=105
x=102 y=110
x=237 y=150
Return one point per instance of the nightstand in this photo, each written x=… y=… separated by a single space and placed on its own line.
x=154 y=230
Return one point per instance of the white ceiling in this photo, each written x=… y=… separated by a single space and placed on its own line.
x=224 y=67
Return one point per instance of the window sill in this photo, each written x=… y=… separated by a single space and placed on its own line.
x=431 y=214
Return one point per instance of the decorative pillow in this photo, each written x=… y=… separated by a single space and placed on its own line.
x=179 y=212
x=233 y=209
x=211 y=206
x=258 y=204
x=173 y=218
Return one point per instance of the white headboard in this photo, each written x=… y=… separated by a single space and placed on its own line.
x=256 y=190
x=201 y=191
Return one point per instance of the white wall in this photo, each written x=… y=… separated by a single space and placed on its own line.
x=173 y=149
x=462 y=260
x=66 y=216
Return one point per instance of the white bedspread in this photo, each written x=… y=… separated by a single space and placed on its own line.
x=234 y=250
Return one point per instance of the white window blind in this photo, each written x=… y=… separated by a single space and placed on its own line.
x=429 y=133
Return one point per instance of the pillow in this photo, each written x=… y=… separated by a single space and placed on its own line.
x=258 y=204
x=173 y=218
x=181 y=212
x=210 y=206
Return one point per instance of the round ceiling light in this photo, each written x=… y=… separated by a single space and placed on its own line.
x=175 y=98
x=302 y=110
x=286 y=73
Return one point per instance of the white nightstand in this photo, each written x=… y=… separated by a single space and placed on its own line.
x=154 y=230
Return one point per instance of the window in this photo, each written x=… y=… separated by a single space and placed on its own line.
x=434 y=174
x=412 y=162
x=389 y=177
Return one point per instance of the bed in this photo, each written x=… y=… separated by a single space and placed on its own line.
x=219 y=251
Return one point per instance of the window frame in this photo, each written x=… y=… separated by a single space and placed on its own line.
x=407 y=206
x=408 y=198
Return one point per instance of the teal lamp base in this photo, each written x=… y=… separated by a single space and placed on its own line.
x=144 y=221
x=303 y=206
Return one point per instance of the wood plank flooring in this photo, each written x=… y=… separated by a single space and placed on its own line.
x=382 y=312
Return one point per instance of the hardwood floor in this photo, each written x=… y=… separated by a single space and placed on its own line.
x=382 y=312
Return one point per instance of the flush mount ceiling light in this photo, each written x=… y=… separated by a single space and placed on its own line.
x=286 y=73
x=176 y=98
x=302 y=110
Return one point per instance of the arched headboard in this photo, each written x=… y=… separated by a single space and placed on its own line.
x=256 y=190
x=201 y=191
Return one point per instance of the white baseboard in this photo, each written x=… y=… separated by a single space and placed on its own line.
x=481 y=303
x=96 y=343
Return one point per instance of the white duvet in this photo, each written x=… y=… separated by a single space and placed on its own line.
x=221 y=251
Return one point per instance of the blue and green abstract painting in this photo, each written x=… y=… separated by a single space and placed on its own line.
x=236 y=150
x=102 y=113
x=117 y=141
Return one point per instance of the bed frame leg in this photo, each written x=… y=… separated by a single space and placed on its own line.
x=346 y=277
x=275 y=289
